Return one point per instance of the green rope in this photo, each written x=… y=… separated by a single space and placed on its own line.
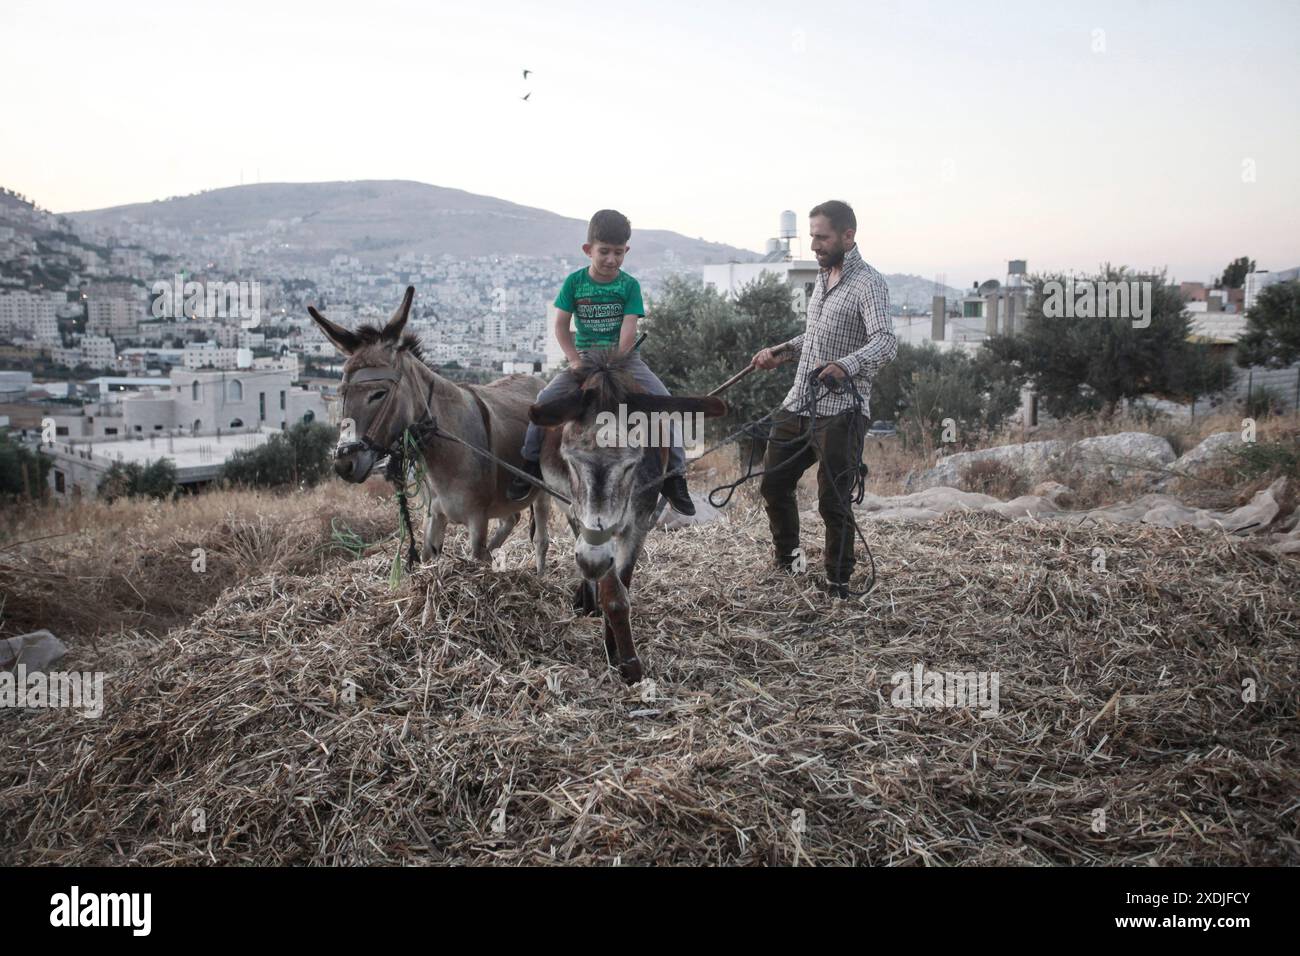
x=410 y=469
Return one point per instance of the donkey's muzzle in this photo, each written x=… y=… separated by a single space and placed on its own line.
x=353 y=461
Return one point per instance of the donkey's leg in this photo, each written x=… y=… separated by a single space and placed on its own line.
x=435 y=528
x=584 y=597
x=616 y=605
x=504 y=527
x=541 y=529
x=478 y=527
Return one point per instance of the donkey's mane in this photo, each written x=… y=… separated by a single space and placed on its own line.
x=410 y=343
x=607 y=376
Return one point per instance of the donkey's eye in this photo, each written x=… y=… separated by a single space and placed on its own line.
x=378 y=395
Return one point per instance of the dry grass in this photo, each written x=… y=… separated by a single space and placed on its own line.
x=479 y=692
x=94 y=570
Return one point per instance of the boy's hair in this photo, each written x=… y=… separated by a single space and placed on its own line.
x=611 y=226
x=839 y=213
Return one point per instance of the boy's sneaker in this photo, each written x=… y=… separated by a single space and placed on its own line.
x=518 y=489
x=674 y=489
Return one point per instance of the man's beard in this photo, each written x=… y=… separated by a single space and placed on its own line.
x=832 y=259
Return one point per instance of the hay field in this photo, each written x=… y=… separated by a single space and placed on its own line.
x=311 y=715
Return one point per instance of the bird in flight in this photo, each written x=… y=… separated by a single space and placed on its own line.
x=525 y=97
x=526 y=72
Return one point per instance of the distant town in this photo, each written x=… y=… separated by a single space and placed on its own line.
x=136 y=340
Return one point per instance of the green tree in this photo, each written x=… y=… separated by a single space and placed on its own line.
x=156 y=479
x=924 y=386
x=699 y=338
x=14 y=460
x=300 y=456
x=1234 y=276
x=1199 y=370
x=1272 y=334
x=1090 y=364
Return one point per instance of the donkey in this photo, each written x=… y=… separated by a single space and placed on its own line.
x=614 y=486
x=388 y=386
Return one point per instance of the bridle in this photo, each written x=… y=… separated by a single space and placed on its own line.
x=373 y=374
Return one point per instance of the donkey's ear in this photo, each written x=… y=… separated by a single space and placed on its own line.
x=393 y=330
x=345 y=341
x=707 y=405
x=557 y=411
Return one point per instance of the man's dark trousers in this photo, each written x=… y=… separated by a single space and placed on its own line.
x=837 y=456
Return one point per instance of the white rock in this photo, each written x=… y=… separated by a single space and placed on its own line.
x=1204 y=454
x=1032 y=459
x=1128 y=454
x=37 y=650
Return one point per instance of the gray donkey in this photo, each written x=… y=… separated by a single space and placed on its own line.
x=614 y=484
x=387 y=386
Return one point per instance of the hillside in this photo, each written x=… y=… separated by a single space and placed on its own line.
x=377 y=220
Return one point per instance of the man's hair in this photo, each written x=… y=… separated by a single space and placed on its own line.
x=839 y=213
x=611 y=226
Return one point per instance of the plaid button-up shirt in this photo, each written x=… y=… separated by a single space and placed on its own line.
x=848 y=324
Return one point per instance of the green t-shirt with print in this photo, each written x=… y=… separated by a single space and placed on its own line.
x=598 y=307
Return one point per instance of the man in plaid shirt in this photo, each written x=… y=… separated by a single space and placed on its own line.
x=849 y=334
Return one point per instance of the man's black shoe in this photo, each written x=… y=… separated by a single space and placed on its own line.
x=674 y=489
x=792 y=563
x=518 y=489
x=836 y=589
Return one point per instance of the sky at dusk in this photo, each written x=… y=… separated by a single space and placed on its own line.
x=1152 y=134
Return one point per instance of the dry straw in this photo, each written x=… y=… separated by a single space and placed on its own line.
x=469 y=717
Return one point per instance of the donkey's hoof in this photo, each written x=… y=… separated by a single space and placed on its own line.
x=631 y=670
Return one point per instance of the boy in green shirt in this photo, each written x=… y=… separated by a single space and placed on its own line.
x=604 y=303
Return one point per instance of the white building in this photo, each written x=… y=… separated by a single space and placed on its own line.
x=98 y=351
x=112 y=316
x=800 y=274
x=1259 y=280
x=22 y=312
x=209 y=355
x=79 y=467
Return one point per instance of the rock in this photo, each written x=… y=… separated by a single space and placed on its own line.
x=38 y=650
x=1126 y=455
x=705 y=513
x=1033 y=459
x=1058 y=494
x=1204 y=454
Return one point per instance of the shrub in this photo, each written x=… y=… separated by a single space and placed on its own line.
x=299 y=457
x=157 y=479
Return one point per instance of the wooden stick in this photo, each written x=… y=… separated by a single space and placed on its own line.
x=780 y=349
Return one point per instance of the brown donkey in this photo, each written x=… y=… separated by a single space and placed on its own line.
x=387 y=386
x=614 y=486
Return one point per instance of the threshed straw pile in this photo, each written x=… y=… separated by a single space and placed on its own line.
x=485 y=727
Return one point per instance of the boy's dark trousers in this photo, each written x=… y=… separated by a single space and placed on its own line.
x=837 y=458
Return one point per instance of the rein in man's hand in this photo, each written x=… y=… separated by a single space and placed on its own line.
x=832 y=372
